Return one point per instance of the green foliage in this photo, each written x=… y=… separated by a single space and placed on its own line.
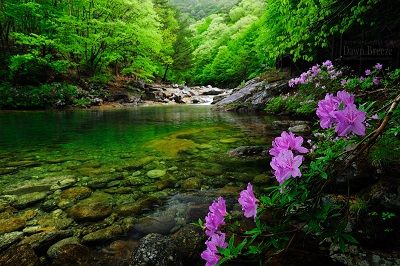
x=298 y=105
x=47 y=95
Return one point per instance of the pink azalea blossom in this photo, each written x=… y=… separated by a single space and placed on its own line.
x=326 y=110
x=315 y=70
x=350 y=120
x=285 y=142
x=216 y=216
x=210 y=257
x=375 y=117
x=378 y=66
x=286 y=165
x=376 y=81
x=343 y=82
x=367 y=72
x=248 y=202
x=328 y=64
x=345 y=97
x=216 y=241
x=362 y=79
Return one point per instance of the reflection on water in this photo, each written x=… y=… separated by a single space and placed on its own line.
x=90 y=144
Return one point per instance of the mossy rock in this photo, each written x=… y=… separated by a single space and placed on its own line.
x=192 y=183
x=27 y=200
x=156 y=173
x=105 y=234
x=229 y=140
x=11 y=225
x=96 y=207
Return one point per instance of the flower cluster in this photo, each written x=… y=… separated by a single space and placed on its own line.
x=214 y=219
x=284 y=162
x=341 y=112
x=313 y=73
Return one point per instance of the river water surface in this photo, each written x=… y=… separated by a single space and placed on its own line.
x=65 y=170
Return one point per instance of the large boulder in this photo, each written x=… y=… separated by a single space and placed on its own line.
x=253 y=96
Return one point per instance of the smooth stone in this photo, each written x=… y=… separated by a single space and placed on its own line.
x=8 y=239
x=156 y=249
x=138 y=164
x=156 y=173
x=91 y=209
x=11 y=225
x=173 y=168
x=57 y=248
x=74 y=254
x=204 y=146
x=103 y=234
x=136 y=207
x=64 y=183
x=248 y=151
x=57 y=223
x=76 y=193
x=21 y=255
x=44 y=239
x=300 y=129
x=192 y=183
x=27 y=200
x=160 y=225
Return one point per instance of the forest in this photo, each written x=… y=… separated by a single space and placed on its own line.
x=50 y=47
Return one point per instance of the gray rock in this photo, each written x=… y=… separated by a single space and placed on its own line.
x=303 y=128
x=253 y=96
x=156 y=249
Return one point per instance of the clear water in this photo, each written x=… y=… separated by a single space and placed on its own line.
x=95 y=143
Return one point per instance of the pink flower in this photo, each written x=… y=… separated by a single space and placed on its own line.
x=285 y=165
x=345 y=97
x=375 y=117
x=216 y=216
x=248 y=202
x=367 y=72
x=362 y=79
x=210 y=257
x=285 y=142
x=378 y=66
x=315 y=70
x=376 y=81
x=350 y=120
x=216 y=241
x=326 y=110
x=328 y=64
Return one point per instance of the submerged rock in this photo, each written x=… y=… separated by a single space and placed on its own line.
x=74 y=254
x=8 y=239
x=156 y=173
x=190 y=240
x=156 y=249
x=248 y=151
x=27 y=200
x=11 y=224
x=192 y=183
x=104 y=234
x=21 y=255
x=57 y=248
x=93 y=208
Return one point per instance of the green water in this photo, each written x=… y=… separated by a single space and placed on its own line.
x=95 y=143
